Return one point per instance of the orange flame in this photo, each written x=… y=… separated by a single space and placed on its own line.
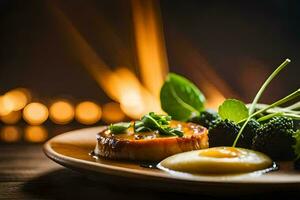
x=122 y=85
x=150 y=44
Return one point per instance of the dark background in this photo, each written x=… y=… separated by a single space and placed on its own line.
x=243 y=41
x=239 y=42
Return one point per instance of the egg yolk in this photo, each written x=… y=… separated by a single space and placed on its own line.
x=223 y=152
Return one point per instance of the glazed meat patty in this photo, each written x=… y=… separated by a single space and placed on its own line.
x=150 y=146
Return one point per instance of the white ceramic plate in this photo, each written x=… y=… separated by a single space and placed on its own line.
x=72 y=150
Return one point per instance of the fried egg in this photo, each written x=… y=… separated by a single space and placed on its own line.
x=217 y=160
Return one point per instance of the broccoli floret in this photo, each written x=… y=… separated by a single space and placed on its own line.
x=249 y=132
x=206 y=118
x=224 y=132
x=297 y=149
x=276 y=138
x=296 y=124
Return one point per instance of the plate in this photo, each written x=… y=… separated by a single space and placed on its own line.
x=72 y=150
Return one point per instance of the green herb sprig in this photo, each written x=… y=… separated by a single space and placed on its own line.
x=155 y=122
x=182 y=100
x=149 y=122
x=290 y=111
x=259 y=94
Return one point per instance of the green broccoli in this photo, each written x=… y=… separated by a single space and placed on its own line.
x=249 y=132
x=276 y=138
x=206 y=118
x=297 y=149
x=224 y=132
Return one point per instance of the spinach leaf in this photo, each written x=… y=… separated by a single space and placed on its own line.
x=180 y=98
x=233 y=110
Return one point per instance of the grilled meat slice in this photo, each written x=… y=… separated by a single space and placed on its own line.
x=150 y=146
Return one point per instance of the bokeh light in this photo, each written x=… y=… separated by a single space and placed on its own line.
x=88 y=112
x=111 y=112
x=35 y=113
x=61 y=112
x=5 y=106
x=10 y=134
x=17 y=98
x=35 y=134
x=12 y=117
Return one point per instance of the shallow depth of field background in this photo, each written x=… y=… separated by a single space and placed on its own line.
x=72 y=64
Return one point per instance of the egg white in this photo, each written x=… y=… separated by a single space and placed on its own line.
x=199 y=162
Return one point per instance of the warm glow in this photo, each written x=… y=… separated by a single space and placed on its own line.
x=135 y=100
x=88 y=113
x=150 y=44
x=35 y=134
x=201 y=72
x=10 y=134
x=123 y=85
x=61 y=112
x=214 y=97
x=17 y=98
x=35 y=113
x=5 y=106
x=111 y=112
x=12 y=117
x=97 y=68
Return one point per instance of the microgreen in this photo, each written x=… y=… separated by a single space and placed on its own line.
x=139 y=127
x=266 y=83
x=233 y=110
x=269 y=116
x=149 y=122
x=156 y=122
x=289 y=97
x=292 y=109
x=258 y=95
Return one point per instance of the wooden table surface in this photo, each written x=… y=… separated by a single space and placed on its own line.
x=26 y=173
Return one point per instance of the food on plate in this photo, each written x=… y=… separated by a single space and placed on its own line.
x=206 y=118
x=217 y=160
x=241 y=137
x=250 y=126
x=224 y=132
x=276 y=138
x=152 y=138
x=180 y=98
